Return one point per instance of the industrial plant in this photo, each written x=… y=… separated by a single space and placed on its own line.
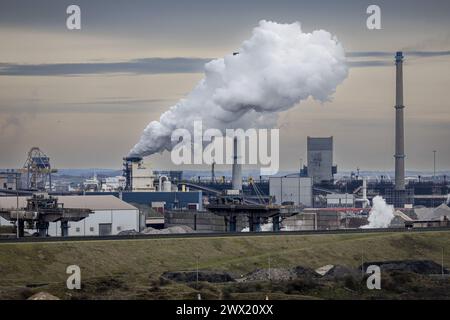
x=141 y=200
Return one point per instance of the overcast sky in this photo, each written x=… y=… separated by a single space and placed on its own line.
x=85 y=96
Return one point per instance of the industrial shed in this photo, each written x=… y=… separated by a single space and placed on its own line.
x=111 y=215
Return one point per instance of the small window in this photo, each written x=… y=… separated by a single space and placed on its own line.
x=91 y=229
x=77 y=229
x=119 y=228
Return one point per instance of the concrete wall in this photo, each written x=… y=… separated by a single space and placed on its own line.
x=328 y=220
x=301 y=221
x=209 y=222
x=295 y=189
x=200 y=221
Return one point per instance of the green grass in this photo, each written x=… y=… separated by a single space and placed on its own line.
x=137 y=262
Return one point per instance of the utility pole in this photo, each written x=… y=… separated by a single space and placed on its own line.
x=197 y=271
x=17 y=206
x=434 y=165
x=362 y=263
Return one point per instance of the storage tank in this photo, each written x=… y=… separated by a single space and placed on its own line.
x=167 y=186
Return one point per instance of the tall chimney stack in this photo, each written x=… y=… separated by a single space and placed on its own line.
x=399 y=128
x=236 y=178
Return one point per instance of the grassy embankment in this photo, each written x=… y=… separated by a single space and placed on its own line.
x=136 y=264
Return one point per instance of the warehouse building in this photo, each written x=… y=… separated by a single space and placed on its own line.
x=111 y=215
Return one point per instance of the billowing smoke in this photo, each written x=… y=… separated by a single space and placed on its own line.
x=264 y=227
x=276 y=68
x=381 y=214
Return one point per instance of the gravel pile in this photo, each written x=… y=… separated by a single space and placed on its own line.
x=339 y=272
x=280 y=274
x=170 y=230
x=43 y=296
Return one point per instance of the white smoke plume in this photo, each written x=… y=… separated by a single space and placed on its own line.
x=381 y=214
x=276 y=68
x=264 y=227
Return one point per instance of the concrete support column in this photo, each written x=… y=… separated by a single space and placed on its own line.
x=276 y=222
x=64 y=228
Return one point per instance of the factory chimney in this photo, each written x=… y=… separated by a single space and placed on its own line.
x=399 y=129
x=236 y=178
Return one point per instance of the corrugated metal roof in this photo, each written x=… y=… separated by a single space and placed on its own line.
x=106 y=202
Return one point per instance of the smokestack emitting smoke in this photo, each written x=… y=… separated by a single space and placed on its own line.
x=276 y=68
x=381 y=214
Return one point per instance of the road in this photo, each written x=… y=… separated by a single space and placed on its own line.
x=214 y=235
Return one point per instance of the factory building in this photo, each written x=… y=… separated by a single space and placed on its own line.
x=338 y=200
x=10 y=179
x=142 y=177
x=173 y=175
x=294 y=189
x=171 y=200
x=111 y=215
x=320 y=159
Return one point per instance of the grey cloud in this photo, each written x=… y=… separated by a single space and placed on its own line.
x=385 y=58
x=135 y=66
x=177 y=65
x=369 y=63
x=387 y=54
x=120 y=101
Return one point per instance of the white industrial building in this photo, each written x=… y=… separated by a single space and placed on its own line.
x=142 y=176
x=111 y=215
x=294 y=189
x=336 y=200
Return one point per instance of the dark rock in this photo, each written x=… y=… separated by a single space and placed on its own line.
x=414 y=266
x=191 y=276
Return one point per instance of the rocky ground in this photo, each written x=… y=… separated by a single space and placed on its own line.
x=407 y=279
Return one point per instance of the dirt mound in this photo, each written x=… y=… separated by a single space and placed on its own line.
x=414 y=266
x=339 y=272
x=304 y=272
x=43 y=296
x=279 y=274
x=170 y=230
x=128 y=233
x=275 y=274
x=191 y=276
